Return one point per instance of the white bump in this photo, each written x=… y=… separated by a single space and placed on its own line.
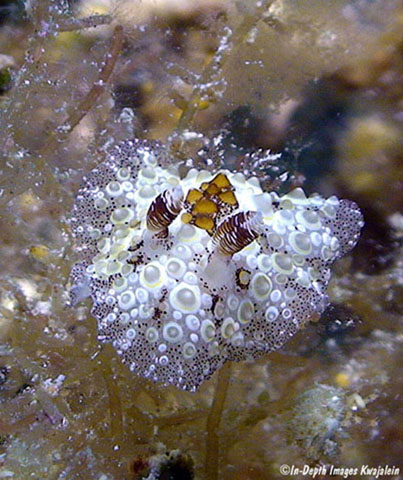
x=327 y=254
x=290 y=293
x=172 y=332
x=124 y=318
x=176 y=268
x=142 y=295
x=232 y=302
x=228 y=328
x=147 y=192
x=147 y=174
x=120 y=284
x=127 y=300
x=309 y=219
x=301 y=243
x=113 y=267
x=114 y=189
x=313 y=273
x=261 y=286
x=303 y=279
x=246 y=311
x=275 y=296
x=163 y=259
x=238 y=340
x=264 y=262
x=152 y=276
x=182 y=251
x=282 y=263
x=281 y=279
x=127 y=187
x=329 y=210
x=192 y=322
x=109 y=300
x=207 y=331
x=101 y=203
x=194 y=337
x=333 y=200
x=164 y=360
x=133 y=278
x=316 y=239
x=206 y=300
x=271 y=314
x=123 y=174
x=131 y=333
x=189 y=350
x=275 y=240
x=251 y=261
x=279 y=228
x=198 y=248
x=104 y=245
x=187 y=233
x=190 y=278
x=285 y=216
x=122 y=215
x=297 y=195
x=186 y=298
x=145 y=311
x=286 y=313
x=298 y=260
x=334 y=244
x=326 y=238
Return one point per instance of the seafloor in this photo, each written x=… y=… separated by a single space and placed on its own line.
x=318 y=82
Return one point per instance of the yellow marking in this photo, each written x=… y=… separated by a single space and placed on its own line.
x=204 y=185
x=212 y=189
x=221 y=181
x=40 y=253
x=206 y=223
x=205 y=207
x=342 y=380
x=147 y=86
x=244 y=277
x=228 y=198
x=194 y=195
x=203 y=104
x=186 y=218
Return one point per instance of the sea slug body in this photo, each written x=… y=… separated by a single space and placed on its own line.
x=187 y=273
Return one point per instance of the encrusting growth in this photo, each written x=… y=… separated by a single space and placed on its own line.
x=187 y=273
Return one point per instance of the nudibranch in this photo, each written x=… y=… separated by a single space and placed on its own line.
x=187 y=273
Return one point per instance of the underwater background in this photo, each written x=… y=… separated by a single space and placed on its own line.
x=318 y=84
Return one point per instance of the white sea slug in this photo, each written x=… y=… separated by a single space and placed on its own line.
x=187 y=273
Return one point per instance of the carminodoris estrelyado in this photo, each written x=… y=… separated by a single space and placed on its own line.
x=188 y=273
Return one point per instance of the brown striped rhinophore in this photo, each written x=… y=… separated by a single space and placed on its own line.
x=163 y=210
x=236 y=232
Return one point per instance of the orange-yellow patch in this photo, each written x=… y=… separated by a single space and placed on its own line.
x=212 y=189
x=205 y=207
x=206 y=223
x=221 y=181
x=228 y=197
x=186 y=218
x=194 y=195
